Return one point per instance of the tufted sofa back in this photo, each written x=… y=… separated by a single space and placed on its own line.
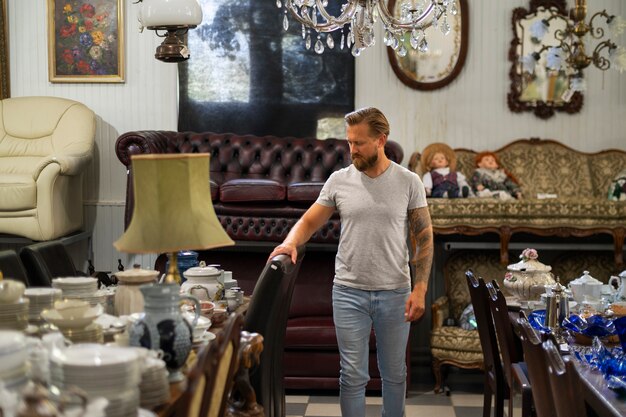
x=284 y=159
x=260 y=186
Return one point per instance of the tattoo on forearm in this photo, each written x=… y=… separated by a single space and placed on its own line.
x=421 y=236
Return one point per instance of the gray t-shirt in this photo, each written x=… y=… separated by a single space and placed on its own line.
x=373 y=252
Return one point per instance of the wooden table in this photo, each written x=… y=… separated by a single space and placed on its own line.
x=178 y=388
x=598 y=396
x=603 y=400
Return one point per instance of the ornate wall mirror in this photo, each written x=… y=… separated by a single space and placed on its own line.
x=444 y=59
x=543 y=92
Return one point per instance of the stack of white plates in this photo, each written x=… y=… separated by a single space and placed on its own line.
x=14 y=316
x=90 y=334
x=76 y=286
x=98 y=297
x=155 y=387
x=111 y=372
x=13 y=355
x=41 y=299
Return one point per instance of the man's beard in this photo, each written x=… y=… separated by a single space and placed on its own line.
x=363 y=164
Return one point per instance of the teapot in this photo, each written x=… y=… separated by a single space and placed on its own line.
x=586 y=288
x=620 y=281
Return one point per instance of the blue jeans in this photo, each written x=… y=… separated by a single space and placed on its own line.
x=354 y=313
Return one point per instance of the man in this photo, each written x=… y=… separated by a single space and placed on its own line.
x=382 y=206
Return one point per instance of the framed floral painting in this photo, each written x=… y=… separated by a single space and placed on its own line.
x=86 y=41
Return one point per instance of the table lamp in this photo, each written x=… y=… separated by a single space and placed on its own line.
x=173 y=209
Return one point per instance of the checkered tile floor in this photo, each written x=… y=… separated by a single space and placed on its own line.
x=465 y=400
x=418 y=404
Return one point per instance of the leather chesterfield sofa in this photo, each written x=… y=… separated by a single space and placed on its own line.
x=260 y=186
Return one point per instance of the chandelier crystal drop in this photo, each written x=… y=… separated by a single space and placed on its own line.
x=356 y=21
x=568 y=53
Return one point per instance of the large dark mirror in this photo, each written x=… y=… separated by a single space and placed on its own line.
x=545 y=91
x=442 y=62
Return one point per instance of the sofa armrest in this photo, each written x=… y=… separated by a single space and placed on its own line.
x=440 y=311
x=142 y=142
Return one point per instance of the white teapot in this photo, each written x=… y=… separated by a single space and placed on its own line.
x=586 y=288
x=620 y=280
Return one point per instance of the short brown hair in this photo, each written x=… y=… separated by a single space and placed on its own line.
x=374 y=118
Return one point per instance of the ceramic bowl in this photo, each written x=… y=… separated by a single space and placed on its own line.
x=72 y=322
x=71 y=308
x=207 y=308
x=11 y=290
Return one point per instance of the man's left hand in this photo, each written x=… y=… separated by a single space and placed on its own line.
x=415 y=306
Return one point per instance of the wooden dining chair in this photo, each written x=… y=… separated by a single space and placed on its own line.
x=210 y=381
x=267 y=315
x=510 y=351
x=12 y=267
x=495 y=383
x=564 y=382
x=537 y=368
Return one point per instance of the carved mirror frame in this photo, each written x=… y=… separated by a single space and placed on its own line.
x=432 y=79
x=542 y=109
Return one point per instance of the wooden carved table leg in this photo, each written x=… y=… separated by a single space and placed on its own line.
x=505 y=237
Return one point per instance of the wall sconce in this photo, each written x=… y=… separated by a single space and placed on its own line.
x=173 y=18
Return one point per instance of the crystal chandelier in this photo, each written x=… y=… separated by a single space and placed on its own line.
x=357 y=18
x=569 y=52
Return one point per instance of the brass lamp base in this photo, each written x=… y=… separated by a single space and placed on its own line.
x=172 y=276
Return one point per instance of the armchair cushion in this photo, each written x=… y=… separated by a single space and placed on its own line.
x=17 y=192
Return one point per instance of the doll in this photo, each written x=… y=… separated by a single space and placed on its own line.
x=441 y=178
x=490 y=180
x=617 y=188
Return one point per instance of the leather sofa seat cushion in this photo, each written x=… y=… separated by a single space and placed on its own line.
x=17 y=192
x=252 y=190
x=304 y=192
x=316 y=333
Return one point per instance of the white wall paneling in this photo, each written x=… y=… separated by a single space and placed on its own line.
x=470 y=112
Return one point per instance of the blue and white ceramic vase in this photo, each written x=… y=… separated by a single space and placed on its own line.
x=163 y=327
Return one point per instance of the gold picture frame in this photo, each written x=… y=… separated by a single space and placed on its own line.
x=86 y=41
x=5 y=89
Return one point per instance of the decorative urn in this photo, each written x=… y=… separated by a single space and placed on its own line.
x=527 y=278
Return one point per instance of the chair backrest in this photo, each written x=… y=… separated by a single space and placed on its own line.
x=47 y=260
x=267 y=315
x=564 y=382
x=537 y=368
x=486 y=329
x=11 y=266
x=210 y=381
x=510 y=347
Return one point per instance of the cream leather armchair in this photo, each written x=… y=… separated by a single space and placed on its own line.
x=45 y=144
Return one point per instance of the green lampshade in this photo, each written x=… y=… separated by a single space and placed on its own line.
x=173 y=209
